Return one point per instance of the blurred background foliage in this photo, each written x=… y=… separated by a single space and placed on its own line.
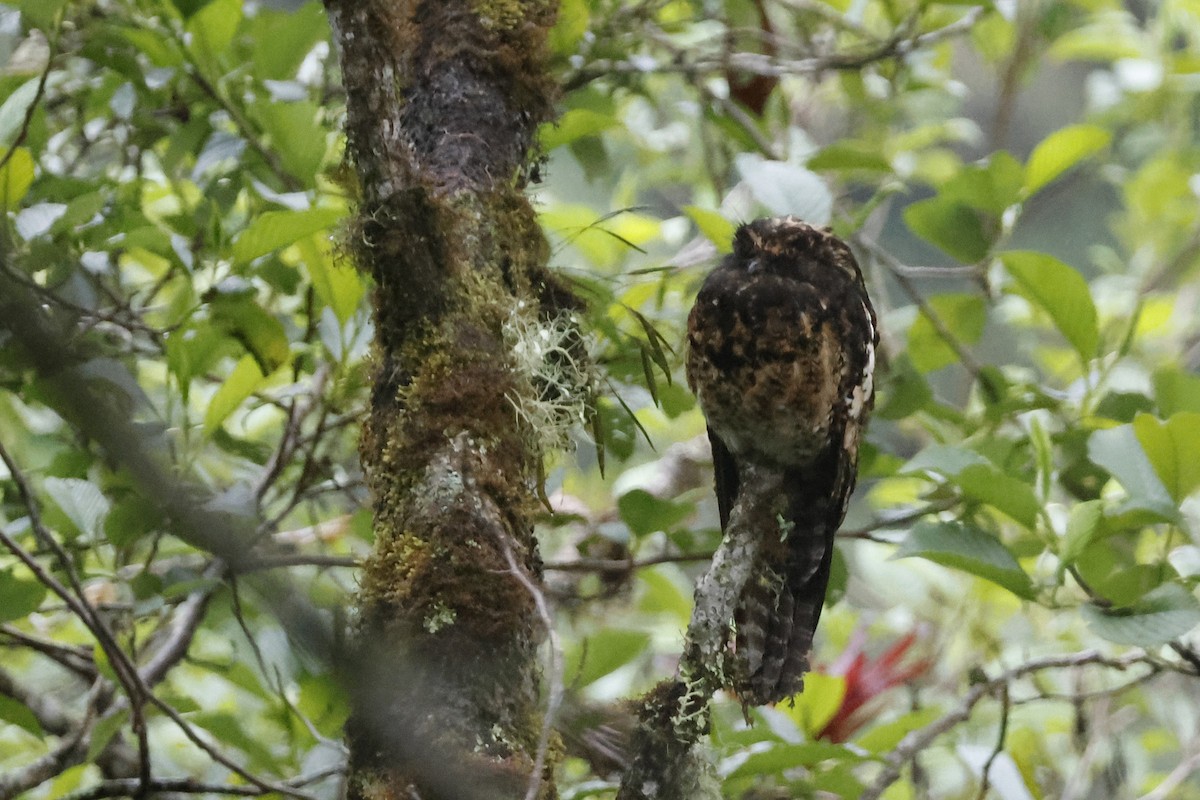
x=1013 y=606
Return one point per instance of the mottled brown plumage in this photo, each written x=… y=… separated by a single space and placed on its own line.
x=781 y=354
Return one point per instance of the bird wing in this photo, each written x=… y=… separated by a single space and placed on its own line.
x=725 y=475
x=818 y=497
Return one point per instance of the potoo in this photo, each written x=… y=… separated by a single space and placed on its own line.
x=781 y=352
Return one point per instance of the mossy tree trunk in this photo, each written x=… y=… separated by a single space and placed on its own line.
x=444 y=98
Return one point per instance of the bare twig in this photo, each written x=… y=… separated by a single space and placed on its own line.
x=216 y=755
x=184 y=623
x=554 y=696
x=1175 y=777
x=77 y=659
x=680 y=61
x=897 y=269
x=127 y=787
x=23 y=131
x=984 y=778
x=255 y=563
x=916 y=741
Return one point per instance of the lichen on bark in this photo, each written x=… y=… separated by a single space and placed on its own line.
x=444 y=100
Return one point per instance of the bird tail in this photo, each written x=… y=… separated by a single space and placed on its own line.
x=778 y=615
x=777 y=619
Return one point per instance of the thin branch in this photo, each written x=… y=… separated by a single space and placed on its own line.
x=77 y=659
x=829 y=14
x=246 y=129
x=49 y=713
x=184 y=624
x=130 y=786
x=916 y=741
x=216 y=755
x=68 y=752
x=298 y=411
x=255 y=563
x=23 y=131
x=554 y=697
x=984 y=778
x=897 y=270
x=770 y=66
x=1175 y=778
x=77 y=601
x=894 y=519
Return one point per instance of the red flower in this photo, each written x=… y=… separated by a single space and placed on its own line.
x=867 y=679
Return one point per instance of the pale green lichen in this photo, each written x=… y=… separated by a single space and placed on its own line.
x=549 y=354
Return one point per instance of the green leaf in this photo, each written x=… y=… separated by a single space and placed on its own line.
x=644 y=513
x=41 y=14
x=230 y=730
x=82 y=501
x=1061 y=292
x=713 y=227
x=154 y=45
x=1176 y=390
x=575 y=124
x=659 y=594
x=990 y=187
x=969 y=549
x=17 y=713
x=781 y=758
x=103 y=733
x=276 y=229
x=1005 y=493
x=132 y=517
x=1118 y=451
x=813 y=708
x=1172 y=447
x=963 y=315
x=1110 y=38
x=569 y=27
x=14 y=109
x=953 y=227
x=943 y=459
x=245 y=378
x=15 y=178
x=1060 y=151
x=260 y=333
x=979 y=480
x=904 y=390
x=1163 y=615
x=212 y=28
x=297 y=136
x=282 y=39
x=849 y=156
x=323 y=701
x=193 y=350
x=1082 y=527
x=19 y=596
x=338 y=287
x=602 y=653
x=883 y=738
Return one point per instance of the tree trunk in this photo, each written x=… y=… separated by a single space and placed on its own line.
x=444 y=98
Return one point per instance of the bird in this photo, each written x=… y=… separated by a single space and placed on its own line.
x=781 y=358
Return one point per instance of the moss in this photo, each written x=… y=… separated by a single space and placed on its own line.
x=451 y=447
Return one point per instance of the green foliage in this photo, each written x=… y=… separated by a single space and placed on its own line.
x=168 y=194
x=1019 y=183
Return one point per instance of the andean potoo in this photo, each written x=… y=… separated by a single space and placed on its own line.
x=781 y=355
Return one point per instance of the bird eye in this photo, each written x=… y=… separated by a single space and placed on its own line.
x=752 y=265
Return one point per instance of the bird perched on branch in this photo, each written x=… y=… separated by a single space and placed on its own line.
x=781 y=352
